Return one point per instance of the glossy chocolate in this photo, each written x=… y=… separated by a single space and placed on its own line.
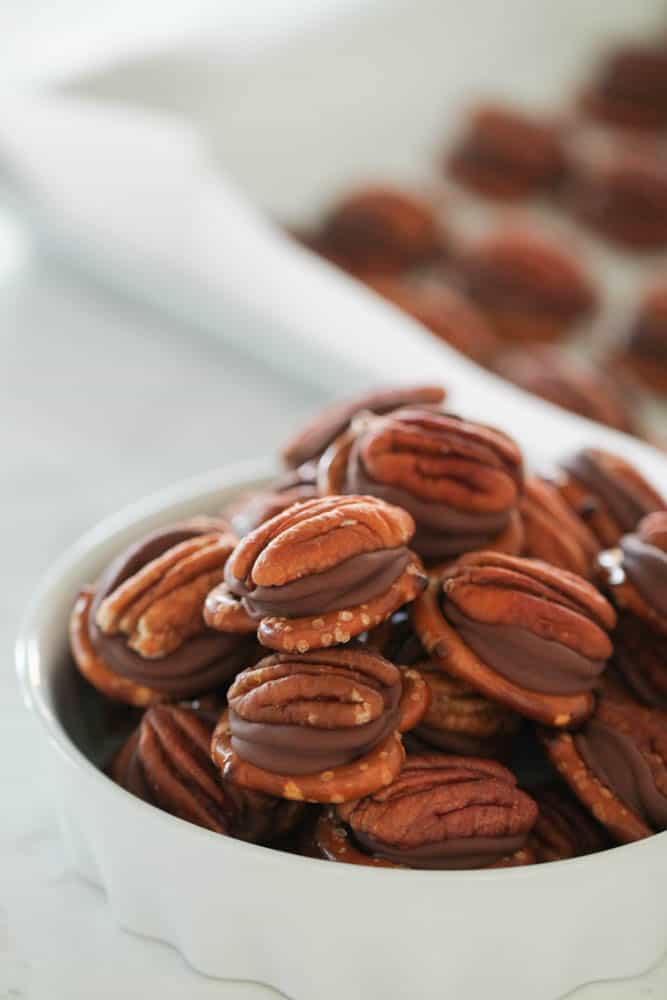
x=617 y=762
x=441 y=530
x=646 y=567
x=455 y=853
x=524 y=658
x=352 y=582
x=290 y=749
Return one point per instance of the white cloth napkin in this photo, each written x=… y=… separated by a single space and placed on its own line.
x=133 y=198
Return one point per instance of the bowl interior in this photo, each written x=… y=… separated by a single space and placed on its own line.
x=82 y=724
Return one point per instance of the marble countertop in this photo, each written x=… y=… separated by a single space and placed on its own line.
x=101 y=404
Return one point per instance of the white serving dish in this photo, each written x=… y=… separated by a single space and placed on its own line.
x=311 y=928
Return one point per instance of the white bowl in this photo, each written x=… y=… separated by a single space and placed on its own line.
x=307 y=927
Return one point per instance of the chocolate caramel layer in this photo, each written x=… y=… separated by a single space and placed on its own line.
x=524 y=658
x=456 y=853
x=441 y=530
x=646 y=567
x=289 y=749
x=201 y=663
x=352 y=582
x=617 y=763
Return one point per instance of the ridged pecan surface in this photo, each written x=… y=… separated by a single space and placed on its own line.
x=437 y=797
x=316 y=536
x=160 y=606
x=331 y=689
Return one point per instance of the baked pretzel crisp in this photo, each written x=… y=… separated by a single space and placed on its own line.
x=461 y=720
x=642 y=729
x=301 y=546
x=320 y=726
x=489 y=590
x=378 y=768
x=93 y=667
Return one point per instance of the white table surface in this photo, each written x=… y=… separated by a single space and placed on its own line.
x=99 y=405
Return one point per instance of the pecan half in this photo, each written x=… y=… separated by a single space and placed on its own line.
x=140 y=635
x=443 y=812
x=608 y=492
x=160 y=606
x=460 y=480
x=552 y=530
x=310 y=442
x=167 y=763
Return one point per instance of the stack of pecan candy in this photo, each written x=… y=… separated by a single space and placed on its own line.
x=399 y=657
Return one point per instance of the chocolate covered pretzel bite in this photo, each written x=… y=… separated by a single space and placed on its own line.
x=319 y=574
x=139 y=634
x=608 y=492
x=522 y=632
x=617 y=766
x=460 y=480
x=319 y=727
x=458 y=718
